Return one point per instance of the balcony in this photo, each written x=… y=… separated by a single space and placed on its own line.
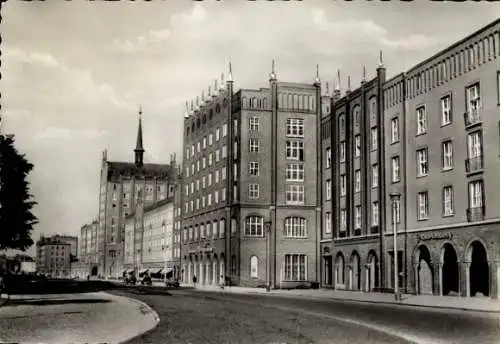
x=473 y=117
x=475 y=164
x=475 y=214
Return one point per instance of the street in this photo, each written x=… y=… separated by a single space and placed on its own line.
x=191 y=316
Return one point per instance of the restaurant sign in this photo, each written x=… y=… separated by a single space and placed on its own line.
x=434 y=236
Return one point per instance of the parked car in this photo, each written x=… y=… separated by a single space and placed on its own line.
x=173 y=283
x=130 y=279
x=146 y=280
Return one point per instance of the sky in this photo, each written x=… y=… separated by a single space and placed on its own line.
x=74 y=73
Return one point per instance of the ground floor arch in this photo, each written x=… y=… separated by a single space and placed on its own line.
x=449 y=279
x=371 y=272
x=423 y=271
x=94 y=270
x=339 y=271
x=478 y=281
x=354 y=272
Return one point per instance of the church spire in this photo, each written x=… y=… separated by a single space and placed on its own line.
x=139 y=149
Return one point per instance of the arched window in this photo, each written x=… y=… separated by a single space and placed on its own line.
x=254 y=102
x=289 y=104
x=264 y=103
x=301 y=102
x=356 y=114
x=215 y=229
x=244 y=102
x=281 y=103
x=254 y=267
x=311 y=103
x=295 y=102
x=222 y=228
x=254 y=226
x=373 y=108
x=295 y=227
x=341 y=123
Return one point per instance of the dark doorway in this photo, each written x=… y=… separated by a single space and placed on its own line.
x=479 y=271
x=356 y=275
x=94 y=271
x=450 y=271
x=328 y=270
x=372 y=272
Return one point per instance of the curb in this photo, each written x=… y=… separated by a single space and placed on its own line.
x=386 y=303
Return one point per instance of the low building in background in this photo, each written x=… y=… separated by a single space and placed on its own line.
x=53 y=257
x=15 y=261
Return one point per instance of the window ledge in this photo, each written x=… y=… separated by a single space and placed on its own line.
x=294 y=238
x=422 y=176
x=394 y=142
x=420 y=134
x=446 y=124
x=447 y=169
x=423 y=219
x=449 y=215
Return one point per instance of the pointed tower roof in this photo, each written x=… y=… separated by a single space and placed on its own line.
x=139 y=149
x=272 y=75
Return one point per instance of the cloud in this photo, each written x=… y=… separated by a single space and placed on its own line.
x=141 y=43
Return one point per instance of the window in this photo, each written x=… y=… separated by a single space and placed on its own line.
x=235 y=127
x=448 y=200
x=187 y=189
x=209 y=179
x=224 y=130
x=396 y=176
x=223 y=194
x=209 y=199
x=328 y=157
x=295 y=172
x=423 y=205
x=357 y=145
x=197 y=185
x=254 y=123
x=295 y=127
x=421 y=120
x=253 y=168
x=187 y=153
x=295 y=267
x=447 y=152
x=204 y=182
x=198 y=165
x=217 y=155
x=295 y=227
x=187 y=172
x=217 y=134
x=192 y=168
x=235 y=150
x=224 y=152
x=474 y=145
x=342 y=151
x=342 y=185
x=254 y=226
x=473 y=99
x=192 y=187
x=202 y=231
x=422 y=162
x=253 y=145
x=356 y=115
x=235 y=171
x=357 y=181
x=476 y=194
x=205 y=142
x=294 y=194
x=374 y=176
x=343 y=220
x=198 y=146
x=210 y=139
x=222 y=228
x=216 y=176
x=374 y=136
x=254 y=267
x=397 y=209
x=223 y=173
x=328 y=189
x=210 y=159
x=341 y=123
x=216 y=197
x=328 y=223
x=446 y=110
x=192 y=149
x=295 y=150
x=198 y=203
x=395 y=130
x=357 y=217
x=253 y=191
x=375 y=214
x=204 y=162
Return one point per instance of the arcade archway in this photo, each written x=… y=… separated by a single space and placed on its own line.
x=424 y=273
x=479 y=274
x=355 y=272
x=449 y=279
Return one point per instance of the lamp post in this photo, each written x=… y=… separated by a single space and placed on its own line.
x=267 y=225
x=394 y=198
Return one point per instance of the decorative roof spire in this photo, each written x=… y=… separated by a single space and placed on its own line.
x=216 y=88
x=337 y=85
x=380 y=60
x=202 y=97
x=139 y=149
x=186 y=110
x=327 y=89
x=209 y=93
x=317 y=80
x=272 y=76
x=197 y=103
x=364 y=75
x=192 y=106
x=349 y=82
x=230 y=76
x=222 y=81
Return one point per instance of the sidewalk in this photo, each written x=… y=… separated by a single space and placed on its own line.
x=74 y=318
x=444 y=302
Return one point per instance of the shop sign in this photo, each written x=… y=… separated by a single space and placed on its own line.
x=434 y=236
x=200 y=249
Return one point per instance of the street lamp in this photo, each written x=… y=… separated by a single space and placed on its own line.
x=395 y=196
x=267 y=225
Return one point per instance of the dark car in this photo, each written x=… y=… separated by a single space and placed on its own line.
x=173 y=283
x=130 y=279
x=146 y=280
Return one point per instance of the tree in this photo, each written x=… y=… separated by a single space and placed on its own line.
x=16 y=202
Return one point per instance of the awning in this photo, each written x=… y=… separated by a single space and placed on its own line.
x=167 y=270
x=143 y=270
x=154 y=270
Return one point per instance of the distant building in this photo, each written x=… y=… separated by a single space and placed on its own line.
x=88 y=257
x=251 y=204
x=72 y=240
x=122 y=185
x=149 y=240
x=53 y=257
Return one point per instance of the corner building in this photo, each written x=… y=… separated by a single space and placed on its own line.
x=437 y=134
x=251 y=205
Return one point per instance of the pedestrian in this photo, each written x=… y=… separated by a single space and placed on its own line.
x=194 y=280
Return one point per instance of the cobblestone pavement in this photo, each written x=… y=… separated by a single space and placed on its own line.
x=74 y=318
x=194 y=316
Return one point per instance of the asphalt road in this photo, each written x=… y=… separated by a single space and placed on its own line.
x=189 y=316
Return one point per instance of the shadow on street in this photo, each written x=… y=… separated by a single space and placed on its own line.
x=54 y=302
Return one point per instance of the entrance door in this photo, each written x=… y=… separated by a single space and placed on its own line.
x=328 y=270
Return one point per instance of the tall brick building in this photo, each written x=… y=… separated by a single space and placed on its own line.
x=420 y=148
x=122 y=184
x=250 y=193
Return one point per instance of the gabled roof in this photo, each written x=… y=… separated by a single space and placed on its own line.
x=116 y=168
